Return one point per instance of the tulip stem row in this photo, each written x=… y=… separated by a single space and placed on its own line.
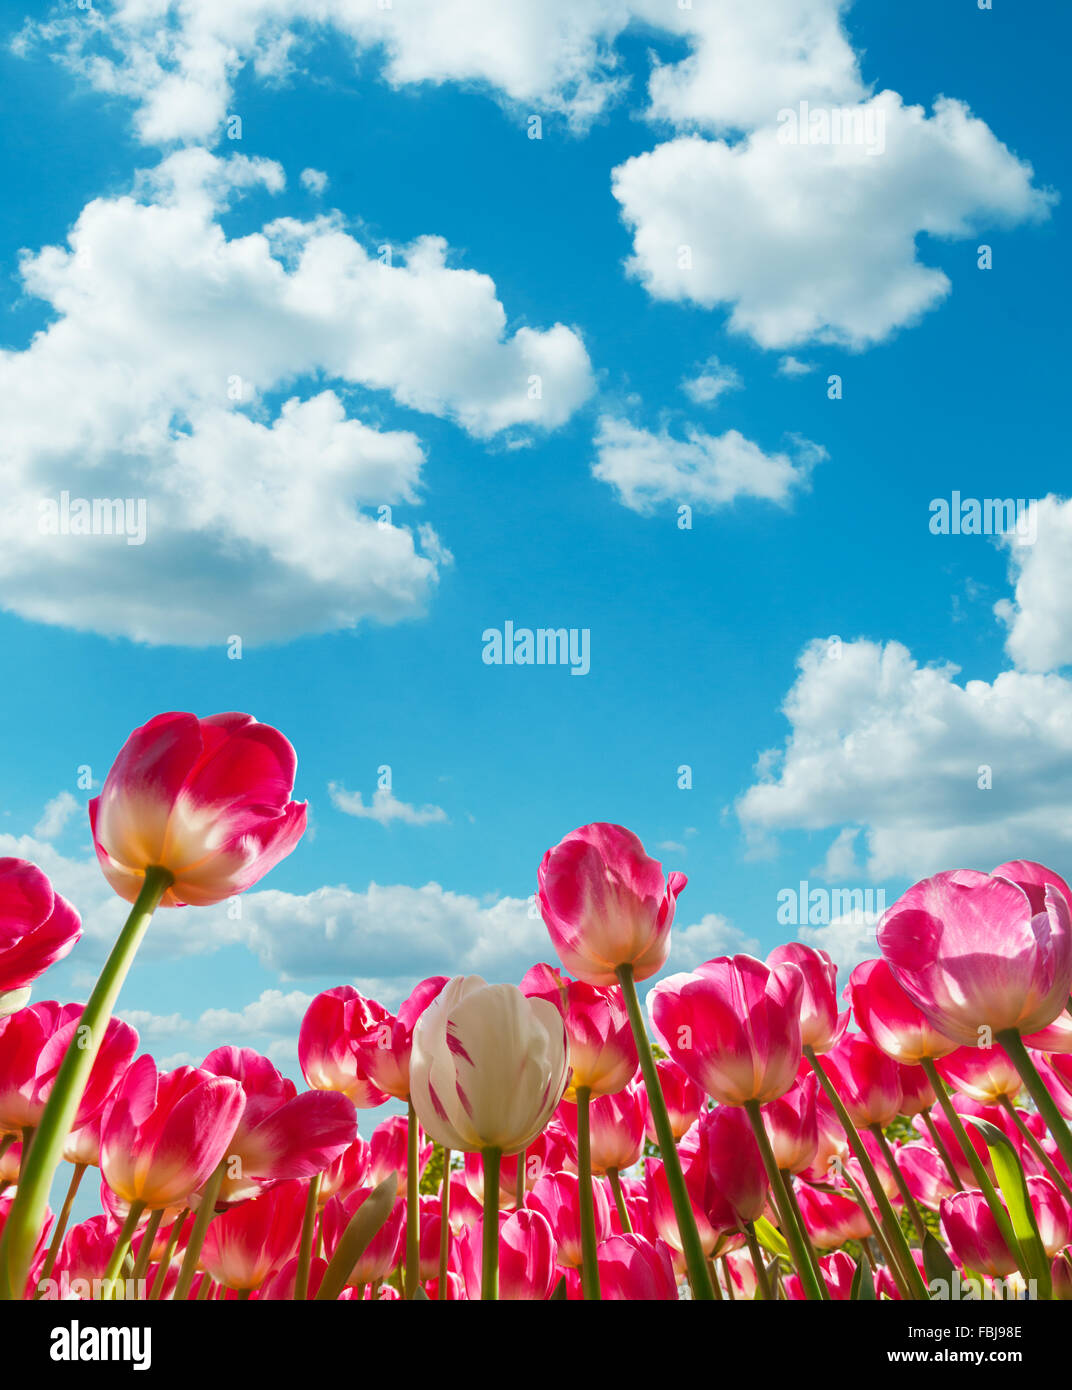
x=205 y=1212
x=975 y=1163
x=27 y=1212
x=444 y=1228
x=943 y=1152
x=589 y=1265
x=910 y=1280
x=1036 y=1089
x=811 y=1280
x=762 y=1282
x=902 y=1186
x=61 y=1223
x=305 y=1248
x=413 y=1210
x=619 y=1200
x=691 y=1244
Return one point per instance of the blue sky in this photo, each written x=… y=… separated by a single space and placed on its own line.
x=853 y=765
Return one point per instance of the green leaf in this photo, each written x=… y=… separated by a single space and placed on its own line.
x=366 y=1221
x=1013 y=1184
x=863 y=1283
x=559 y=1294
x=420 y=1295
x=936 y=1261
x=771 y=1238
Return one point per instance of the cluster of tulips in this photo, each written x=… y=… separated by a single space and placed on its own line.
x=760 y=1148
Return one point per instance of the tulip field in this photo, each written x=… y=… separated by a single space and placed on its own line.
x=743 y=1135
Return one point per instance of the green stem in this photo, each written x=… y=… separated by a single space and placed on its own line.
x=145 y=1250
x=943 y=1152
x=729 y=1279
x=619 y=1200
x=811 y=1280
x=168 y=1255
x=27 y=1213
x=902 y=1186
x=899 y=1277
x=691 y=1244
x=762 y=1282
x=1036 y=1088
x=122 y=1245
x=589 y=1265
x=205 y=1212
x=802 y=1227
x=895 y=1237
x=519 y=1182
x=413 y=1208
x=489 y=1278
x=61 y=1224
x=305 y=1249
x=1036 y=1148
x=444 y=1228
x=975 y=1163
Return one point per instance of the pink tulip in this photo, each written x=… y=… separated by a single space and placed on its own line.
x=663 y=1221
x=616 y=1124
x=1056 y=1037
x=1052 y=1214
x=965 y=1106
x=792 y=1126
x=831 y=1219
x=473 y=1170
x=466 y=1207
x=348 y=1171
x=281 y=1285
x=249 y=1242
x=632 y=1268
x=389 y=1151
x=384 y=1048
x=977 y=950
x=206 y=799
x=838 y=1271
x=888 y=1016
x=382 y=1253
x=684 y=1099
x=733 y=1025
x=82 y=1145
x=925 y=1173
x=917 y=1093
x=820 y=1023
x=603 y=1054
x=606 y=904
x=40 y=1246
x=973 y=1235
x=527 y=1268
x=84 y=1255
x=557 y=1197
x=162 y=1135
x=327 y=1052
x=867 y=1080
x=737 y=1187
x=281 y=1134
x=984 y=1073
x=33 y=1044
x=37 y=926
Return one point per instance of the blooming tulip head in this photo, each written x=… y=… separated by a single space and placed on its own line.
x=37 y=928
x=162 y=1135
x=527 y=1247
x=867 y=1080
x=684 y=1100
x=979 y=951
x=607 y=904
x=632 y=1268
x=489 y=1066
x=984 y=1073
x=206 y=799
x=792 y=1127
x=820 y=1023
x=889 y=1017
x=733 y=1025
x=384 y=1249
x=558 y=1198
x=616 y=1129
x=327 y=1051
x=603 y=1055
x=384 y=1049
x=249 y=1242
x=737 y=1187
x=973 y=1235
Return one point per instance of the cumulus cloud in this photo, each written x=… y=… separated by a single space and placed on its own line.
x=713 y=935
x=1039 y=616
x=707 y=471
x=713 y=380
x=55 y=816
x=935 y=774
x=314 y=180
x=710 y=226
x=178 y=61
x=848 y=941
x=384 y=807
x=793 y=366
x=145 y=400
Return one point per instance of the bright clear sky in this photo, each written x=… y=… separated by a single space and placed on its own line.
x=156 y=269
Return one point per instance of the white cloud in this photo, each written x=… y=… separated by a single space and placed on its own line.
x=713 y=935
x=178 y=62
x=847 y=940
x=1039 y=617
x=384 y=807
x=314 y=180
x=713 y=380
x=704 y=470
x=149 y=384
x=901 y=751
x=793 y=366
x=814 y=242
x=56 y=814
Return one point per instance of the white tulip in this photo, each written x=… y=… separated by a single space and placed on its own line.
x=489 y=1066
